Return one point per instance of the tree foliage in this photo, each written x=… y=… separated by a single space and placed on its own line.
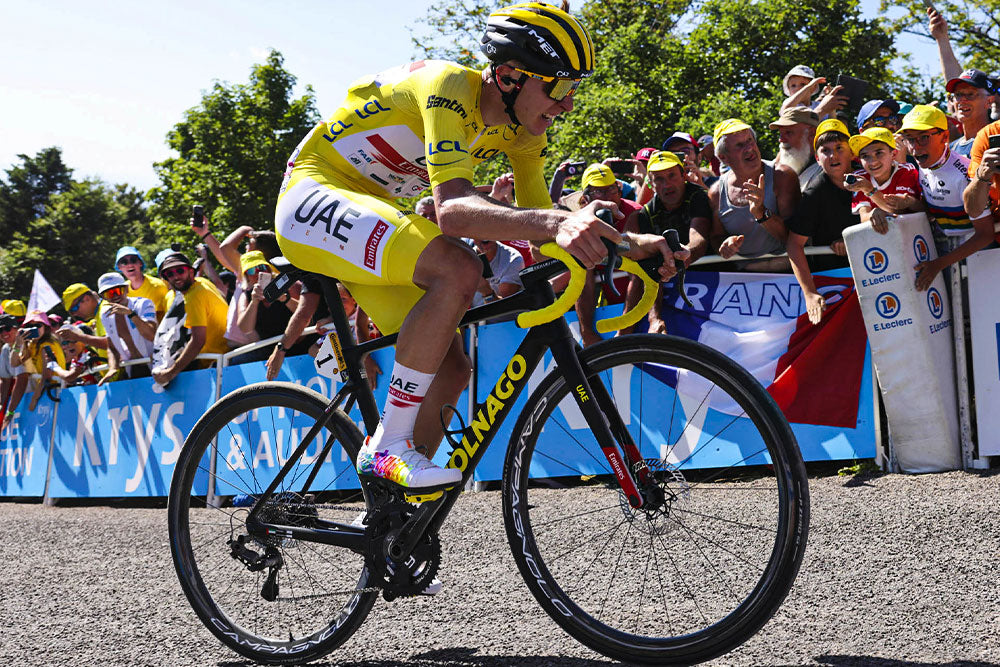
x=974 y=28
x=231 y=153
x=68 y=229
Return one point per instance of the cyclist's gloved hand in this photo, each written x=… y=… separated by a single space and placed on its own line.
x=648 y=245
x=580 y=233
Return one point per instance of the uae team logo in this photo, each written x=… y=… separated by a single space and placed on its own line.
x=920 y=250
x=876 y=260
x=887 y=305
x=934 y=303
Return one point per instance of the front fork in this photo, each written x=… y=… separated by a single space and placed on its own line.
x=602 y=416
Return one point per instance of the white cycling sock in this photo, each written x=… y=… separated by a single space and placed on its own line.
x=407 y=389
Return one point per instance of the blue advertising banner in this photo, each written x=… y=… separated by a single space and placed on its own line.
x=123 y=439
x=24 y=449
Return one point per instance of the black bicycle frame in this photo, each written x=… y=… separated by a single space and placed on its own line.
x=594 y=402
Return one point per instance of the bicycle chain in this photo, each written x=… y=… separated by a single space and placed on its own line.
x=398 y=579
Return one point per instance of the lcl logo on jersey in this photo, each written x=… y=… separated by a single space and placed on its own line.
x=887 y=305
x=934 y=303
x=876 y=260
x=920 y=249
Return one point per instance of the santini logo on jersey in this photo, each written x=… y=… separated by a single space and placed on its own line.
x=435 y=101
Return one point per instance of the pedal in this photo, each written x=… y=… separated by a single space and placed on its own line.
x=417 y=498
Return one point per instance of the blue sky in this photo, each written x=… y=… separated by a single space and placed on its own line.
x=106 y=80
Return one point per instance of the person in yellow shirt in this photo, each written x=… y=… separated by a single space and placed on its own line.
x=129 y=263
x=205 y=315
x=38 y=350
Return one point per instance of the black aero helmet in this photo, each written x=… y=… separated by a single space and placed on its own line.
x=544 y=39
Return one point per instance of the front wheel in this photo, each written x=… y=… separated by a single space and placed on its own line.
x=269 y=597
x=708 y=560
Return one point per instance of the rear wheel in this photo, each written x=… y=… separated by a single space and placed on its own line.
x=272 y=599
x=699 y=569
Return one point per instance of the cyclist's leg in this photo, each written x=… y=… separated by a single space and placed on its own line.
x=451 y=379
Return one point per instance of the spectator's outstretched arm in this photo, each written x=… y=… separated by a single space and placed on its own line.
x=698 y=238
x=983 y=235
x=559 y=177
x=803 y=95
x=229 y=249
x=16 y=392
x=113 y=362
x=815 y=303
x=68 y=333
x=938 y=28
x=191 y=350
x=299 y=320
x=226 y=259
x=209 y=269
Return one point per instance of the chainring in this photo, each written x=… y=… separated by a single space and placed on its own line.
x=398 y=579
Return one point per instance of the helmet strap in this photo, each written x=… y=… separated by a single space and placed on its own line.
x=508 y=96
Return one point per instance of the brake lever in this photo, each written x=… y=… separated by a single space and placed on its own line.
x=674 y=241
x=614 y=261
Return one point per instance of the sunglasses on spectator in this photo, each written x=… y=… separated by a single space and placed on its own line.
x=173 y=271
x=885 y=121
x=114 y=292
x=76 y=304
x=4 y=328
x=558 y=89
x=261 y=268
x=965 y=97
x=919 y=139
x=130 y=259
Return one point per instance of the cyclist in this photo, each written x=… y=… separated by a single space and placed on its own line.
x=427 y=124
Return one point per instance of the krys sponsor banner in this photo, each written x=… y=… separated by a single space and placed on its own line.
x=123 y=439
x=819 y=376
x=24 y=449
x=256 y=445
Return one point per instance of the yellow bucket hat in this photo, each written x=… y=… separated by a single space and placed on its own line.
x=254 y=258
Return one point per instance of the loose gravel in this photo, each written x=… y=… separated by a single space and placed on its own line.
x=900 y=570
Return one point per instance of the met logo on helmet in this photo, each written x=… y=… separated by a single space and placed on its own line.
x=544 y=44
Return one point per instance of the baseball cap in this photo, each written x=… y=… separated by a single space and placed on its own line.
x=8 y=320
x=248 y=260
x=679 y=136
x=644 y=153
x=598 y=175
x=794 y=116
x=13 y=307
x=871 y=135
x=172 y=258
x=127 y=250
x=39 y=317
x=871 y=106
x=798 y=70
x=904 y=108
x=109 y=280
x=924 y=117
x=72 y=293
x=663 y=160
x=704 y=140
x=728 y=126
x=973 y=77
x=831 y=125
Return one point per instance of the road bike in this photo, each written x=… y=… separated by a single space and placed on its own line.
x=654 y=497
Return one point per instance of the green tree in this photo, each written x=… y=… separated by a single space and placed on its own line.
x=974 y=28
x=72 y=234
x=231 y=153
x=25 y=192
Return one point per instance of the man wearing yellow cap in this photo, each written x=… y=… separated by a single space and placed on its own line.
x=823 y=213
x=753 y=199
x=82 y=304
x=944 y=175
x=600 y=184
x=676 y=204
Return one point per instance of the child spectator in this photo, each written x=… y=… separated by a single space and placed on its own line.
x=80 y=360
x=883 y=186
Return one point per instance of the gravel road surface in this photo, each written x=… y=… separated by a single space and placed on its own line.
x=900 y=570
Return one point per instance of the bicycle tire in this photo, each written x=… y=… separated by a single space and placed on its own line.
x=751 y=514
x=301 y=624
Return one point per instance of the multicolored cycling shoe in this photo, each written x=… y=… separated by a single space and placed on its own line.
x=403 y=465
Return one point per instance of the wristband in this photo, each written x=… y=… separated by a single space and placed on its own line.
x=131 y=314
x=281 y=347
x=205 y=235
x=761 y=220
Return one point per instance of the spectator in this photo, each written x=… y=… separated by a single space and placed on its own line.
x=129 y=262
x=796 y=127
x=684 y=145
x=425 y=209
x=13 y=307
x=970 y=94
x=798 y=78
x=505 y=264
x=600 y=184
x=800 y=86
x=205 y=315
x=82 y=304
x=80 y=359
x=13 y=377
x=38 y=350
x=984 y=169
x=130 y=325
x=879 y=113
x=824 y=211
x=254 y=313
x=883 y=186
x=751 y=201
x=641 y=157
x=944 y=176
x=938 y=29
x=711 y=164
x=677 y=204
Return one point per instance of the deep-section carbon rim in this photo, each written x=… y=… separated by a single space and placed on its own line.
x=318 y=601
x=710 y=564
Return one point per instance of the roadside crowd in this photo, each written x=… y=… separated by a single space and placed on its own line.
x=717 y=191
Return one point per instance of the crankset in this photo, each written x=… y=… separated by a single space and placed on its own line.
x=398 y=579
